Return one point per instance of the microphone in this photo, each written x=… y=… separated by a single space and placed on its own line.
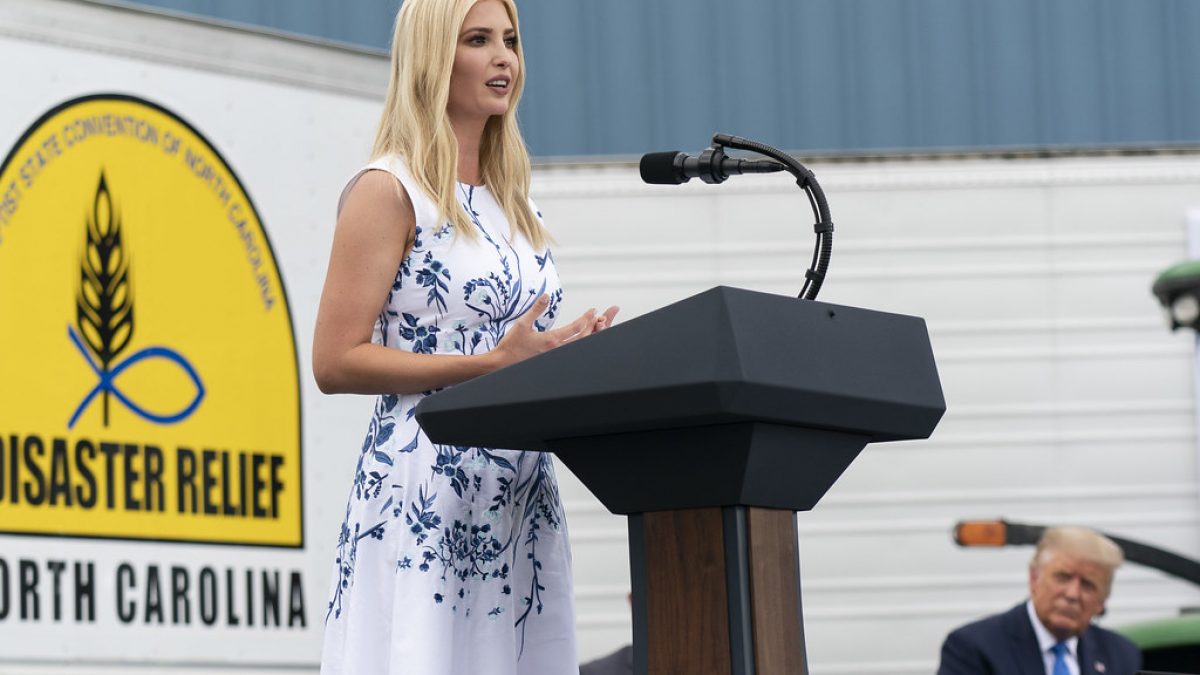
x=712 y=166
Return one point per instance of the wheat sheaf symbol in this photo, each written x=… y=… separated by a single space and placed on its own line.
x=104 y=305
x=104 y=315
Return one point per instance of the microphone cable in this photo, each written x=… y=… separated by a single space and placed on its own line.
x=814 y=276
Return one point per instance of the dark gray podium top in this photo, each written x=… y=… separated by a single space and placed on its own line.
x=723 y=356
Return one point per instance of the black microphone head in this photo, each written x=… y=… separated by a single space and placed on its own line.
x=658 y=168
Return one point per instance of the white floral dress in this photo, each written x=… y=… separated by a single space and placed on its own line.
x=452 y=560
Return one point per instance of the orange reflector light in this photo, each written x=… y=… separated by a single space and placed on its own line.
x=980 y=533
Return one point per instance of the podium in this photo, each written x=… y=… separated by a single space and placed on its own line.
x=710 y=423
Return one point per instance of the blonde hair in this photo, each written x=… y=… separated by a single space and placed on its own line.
x=1080 y=542
x=415 y=125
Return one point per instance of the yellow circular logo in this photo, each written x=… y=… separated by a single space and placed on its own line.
x=147 y=359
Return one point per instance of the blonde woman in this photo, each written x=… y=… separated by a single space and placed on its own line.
x=451 y=560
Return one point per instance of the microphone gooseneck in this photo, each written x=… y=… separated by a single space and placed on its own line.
x=714 y=166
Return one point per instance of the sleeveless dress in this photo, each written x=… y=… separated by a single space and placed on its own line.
x=452 y=560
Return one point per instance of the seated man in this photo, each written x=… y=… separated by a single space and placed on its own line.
x=1070 y=577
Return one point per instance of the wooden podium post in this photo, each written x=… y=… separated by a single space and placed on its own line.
x=717 y=592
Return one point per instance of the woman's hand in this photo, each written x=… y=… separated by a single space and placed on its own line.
x=522 y=340
x=605 y=320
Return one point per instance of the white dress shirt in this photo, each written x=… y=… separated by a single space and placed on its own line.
x=1046 y=643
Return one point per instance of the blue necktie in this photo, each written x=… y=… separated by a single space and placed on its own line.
x=1060 y=659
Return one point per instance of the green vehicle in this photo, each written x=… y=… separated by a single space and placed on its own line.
x=1171 y=644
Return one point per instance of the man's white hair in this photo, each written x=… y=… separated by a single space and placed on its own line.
x=1080 y=542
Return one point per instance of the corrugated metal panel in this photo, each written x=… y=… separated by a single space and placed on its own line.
x=624 y=76
x=366 y=23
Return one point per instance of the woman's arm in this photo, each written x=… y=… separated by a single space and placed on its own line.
x=373 y=234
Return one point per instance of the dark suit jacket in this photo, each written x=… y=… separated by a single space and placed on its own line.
x=619 y=662
x=1005 y=644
